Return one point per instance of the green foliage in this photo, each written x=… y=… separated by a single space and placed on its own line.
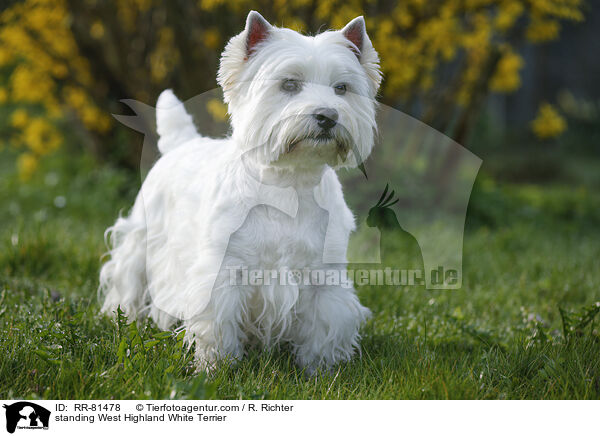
x=574 y=323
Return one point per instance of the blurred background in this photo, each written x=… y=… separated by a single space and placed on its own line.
x=508 y=79
x=503 y=77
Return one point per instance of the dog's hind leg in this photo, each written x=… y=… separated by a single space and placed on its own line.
x=123 y=276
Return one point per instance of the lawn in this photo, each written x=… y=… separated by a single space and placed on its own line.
x=522 y=326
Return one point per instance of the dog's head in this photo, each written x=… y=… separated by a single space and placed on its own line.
x=302 y=100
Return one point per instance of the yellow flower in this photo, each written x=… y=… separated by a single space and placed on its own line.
x=41 y=136
x=548 y=122
x=217 y=109
x=3 y=95
x=30 y=85
x=75 y=97
x=19 y=119
x=88 y=115
x=506 y=77
x=508 y=12
x=27 y=163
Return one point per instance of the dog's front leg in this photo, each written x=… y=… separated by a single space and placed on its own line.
x=329 y=319
x=218 y=333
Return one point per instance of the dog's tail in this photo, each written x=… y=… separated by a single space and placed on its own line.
x=173 y=124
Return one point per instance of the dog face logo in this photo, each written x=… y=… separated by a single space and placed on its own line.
x=26 y=415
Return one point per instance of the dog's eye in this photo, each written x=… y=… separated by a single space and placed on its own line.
x=340 y=89
x=291 y=85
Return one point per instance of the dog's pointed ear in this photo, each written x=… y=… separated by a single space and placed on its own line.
x=238 y=50
x=257 y=30
x=356 y=33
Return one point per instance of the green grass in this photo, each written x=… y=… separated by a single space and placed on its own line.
x=528 y=252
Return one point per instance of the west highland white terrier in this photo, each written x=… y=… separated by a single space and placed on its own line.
x=214 y=215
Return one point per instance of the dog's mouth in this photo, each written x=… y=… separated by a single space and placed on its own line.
x=317 y=140
x=324 y=137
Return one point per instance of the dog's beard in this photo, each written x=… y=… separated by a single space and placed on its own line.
x=322 y=141
x=313 y=151
x=299 y=136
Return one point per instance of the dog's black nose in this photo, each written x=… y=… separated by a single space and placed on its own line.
x=326 y=117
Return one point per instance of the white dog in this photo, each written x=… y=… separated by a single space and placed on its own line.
x=266 y=198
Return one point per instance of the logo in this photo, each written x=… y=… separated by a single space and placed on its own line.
x=26 y=415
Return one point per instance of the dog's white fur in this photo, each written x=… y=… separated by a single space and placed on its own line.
x=265 y=198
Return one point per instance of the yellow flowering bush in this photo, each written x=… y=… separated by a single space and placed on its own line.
x=38 y=50
x=548 y=123
x=506 y=78
x=70 y=60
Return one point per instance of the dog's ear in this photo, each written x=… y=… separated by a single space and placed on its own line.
x=356 y=33
x=257 y=30
x=238 y=51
